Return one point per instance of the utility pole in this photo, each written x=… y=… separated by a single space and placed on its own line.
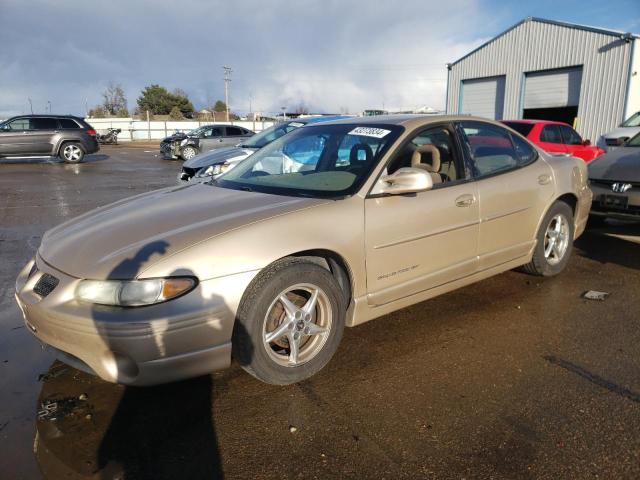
x=227 y=79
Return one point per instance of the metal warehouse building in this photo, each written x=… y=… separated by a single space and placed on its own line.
x=542 y=69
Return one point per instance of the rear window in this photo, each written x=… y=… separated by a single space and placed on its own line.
x=523 y=129
x=68 y=123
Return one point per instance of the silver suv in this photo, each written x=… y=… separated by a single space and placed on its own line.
x=68 y=137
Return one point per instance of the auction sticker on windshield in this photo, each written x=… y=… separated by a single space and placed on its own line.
x=370 y=132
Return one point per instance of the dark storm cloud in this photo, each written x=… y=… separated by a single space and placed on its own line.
x=329 y=55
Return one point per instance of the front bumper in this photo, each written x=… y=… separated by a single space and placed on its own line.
x=185 y=337
x=620 y=205
x=169 y=151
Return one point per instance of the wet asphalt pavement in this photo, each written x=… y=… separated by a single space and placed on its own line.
x=513 y=377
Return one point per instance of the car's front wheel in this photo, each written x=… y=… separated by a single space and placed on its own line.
x=289 y=323
x=554 y=242
x=72 y=152
x=189 y=152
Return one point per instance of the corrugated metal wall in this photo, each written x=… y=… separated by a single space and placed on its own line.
x=534 y=46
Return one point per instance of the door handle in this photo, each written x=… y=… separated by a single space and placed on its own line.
x=465 y=200
x=544 y=179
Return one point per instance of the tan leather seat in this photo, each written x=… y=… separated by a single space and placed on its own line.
x=432 y=165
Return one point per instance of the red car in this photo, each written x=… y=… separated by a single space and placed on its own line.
x=555 y=137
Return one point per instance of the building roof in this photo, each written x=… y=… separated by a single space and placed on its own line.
x=615 y=33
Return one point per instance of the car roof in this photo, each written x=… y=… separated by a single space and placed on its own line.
x=536 y=122
x=320 y=118
x=47 y=115
x=407 y=120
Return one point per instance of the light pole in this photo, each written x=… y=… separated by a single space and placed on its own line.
x=30 y=104
x=227 y=79
x=284 y=113
x=49 y=103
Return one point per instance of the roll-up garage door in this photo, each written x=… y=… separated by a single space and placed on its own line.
x=552 y=95
x=483 y=97
x=553 y=89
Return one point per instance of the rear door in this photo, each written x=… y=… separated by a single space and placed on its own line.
x=44 y=129
x=551 y=139
x=514 y=188
x=233 y=136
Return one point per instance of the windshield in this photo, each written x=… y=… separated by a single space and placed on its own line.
x=267 y=136
x=197 y=131
x=316 y=161
x=633 y=142
x=632 y=121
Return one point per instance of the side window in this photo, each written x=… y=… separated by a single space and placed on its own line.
x=431 y=150
x=44 y=123
x=68 y=123
x=570 y=136
x=212 y=132
x=526 y=153
x=550 y=134
x=233 y=132
x=491 y=148
x=21 y=124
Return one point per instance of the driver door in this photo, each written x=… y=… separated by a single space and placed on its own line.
x=211 y=139
x=16 y=138
x=416 y=242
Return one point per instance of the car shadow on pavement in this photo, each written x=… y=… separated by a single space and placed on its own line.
x=120 y=432
x=612 y=243
x=90 y=158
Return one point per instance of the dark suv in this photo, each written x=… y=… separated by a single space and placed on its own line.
x=65 y=136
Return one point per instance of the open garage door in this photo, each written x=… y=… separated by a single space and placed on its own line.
x=552 y=95
x=483 y=97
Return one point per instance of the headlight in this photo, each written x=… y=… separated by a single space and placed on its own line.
x=211 y=170
x=133 y=293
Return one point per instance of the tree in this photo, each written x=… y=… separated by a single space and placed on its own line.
x=176 y=114
x=159 y=101
x=220 y=106
x=114 y=101
x=97 y=112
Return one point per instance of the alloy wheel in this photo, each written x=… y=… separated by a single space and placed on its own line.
x=297 y=324
x=556 y=239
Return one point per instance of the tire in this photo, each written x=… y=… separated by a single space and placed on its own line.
x=549 y=260
x=71 y=152
x=265 y=328
x=188 y=152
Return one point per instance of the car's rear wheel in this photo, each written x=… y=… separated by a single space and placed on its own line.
x=189 y=152
x=289 y=323
x=72 y=152
x=554 y=242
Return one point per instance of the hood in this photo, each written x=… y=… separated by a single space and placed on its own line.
x=622 y=132
x=120 y=240
x=621 y=164
x=220 y=155
x=174 y=137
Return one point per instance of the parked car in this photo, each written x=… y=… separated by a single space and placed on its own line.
x=555 y=137
x=64 y=136
x=333 y=224
x=211 y=164
x=615 y=138
x=615 y=181
x=202 y=139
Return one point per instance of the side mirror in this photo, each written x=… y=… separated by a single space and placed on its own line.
x=404 y=180
x=586 y=143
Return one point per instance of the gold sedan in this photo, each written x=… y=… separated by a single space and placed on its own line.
x=333 y=224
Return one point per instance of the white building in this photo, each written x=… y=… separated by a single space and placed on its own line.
x=585 y=76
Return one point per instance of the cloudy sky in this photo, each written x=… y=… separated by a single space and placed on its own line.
x=330 y=55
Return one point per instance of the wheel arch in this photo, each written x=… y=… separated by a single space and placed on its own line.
x=336 y=264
